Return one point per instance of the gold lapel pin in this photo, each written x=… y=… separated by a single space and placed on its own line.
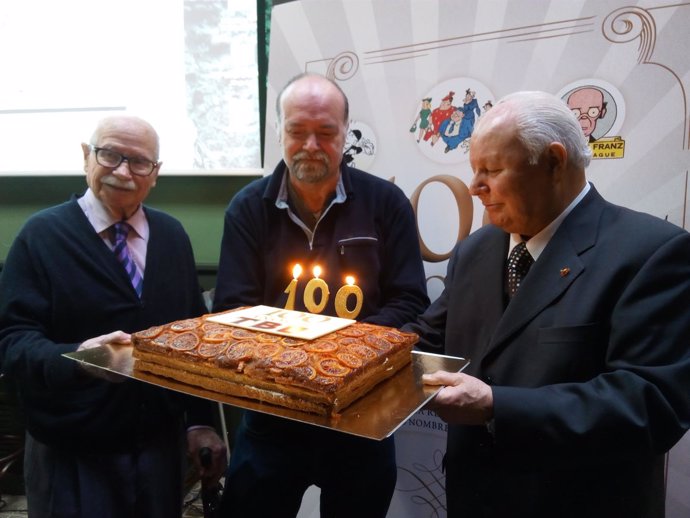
x=565 y=271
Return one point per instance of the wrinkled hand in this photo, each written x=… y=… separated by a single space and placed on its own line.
x=204 y=437
x=463 y=399
x=116 y=337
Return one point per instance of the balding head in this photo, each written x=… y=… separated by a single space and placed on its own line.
x=124 y=138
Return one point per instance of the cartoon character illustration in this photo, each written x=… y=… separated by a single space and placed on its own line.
x=469 y=107
x=422 y=118
x=454 y=130
x=438 y=115
x=354 y=145
x=588 y=105
x=488 y=105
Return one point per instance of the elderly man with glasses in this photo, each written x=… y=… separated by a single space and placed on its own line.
x=80 y=275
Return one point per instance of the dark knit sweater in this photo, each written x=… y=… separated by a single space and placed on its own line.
x=62 y=285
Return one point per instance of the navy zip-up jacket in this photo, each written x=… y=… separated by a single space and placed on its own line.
x=372 y=236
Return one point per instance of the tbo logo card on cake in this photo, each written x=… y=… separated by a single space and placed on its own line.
x=284 y=322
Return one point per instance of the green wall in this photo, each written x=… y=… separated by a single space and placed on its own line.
x=197 y=201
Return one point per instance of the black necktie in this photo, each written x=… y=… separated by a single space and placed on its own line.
x=518 y=266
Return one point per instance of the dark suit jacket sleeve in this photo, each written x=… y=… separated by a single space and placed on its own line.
x=640 y=402
x=431 y=325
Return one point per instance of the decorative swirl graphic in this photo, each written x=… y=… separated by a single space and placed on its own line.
x=629 y=23
x=343 y=66
x=427 y=485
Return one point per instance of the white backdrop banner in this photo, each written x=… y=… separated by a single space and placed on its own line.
x=420 y=73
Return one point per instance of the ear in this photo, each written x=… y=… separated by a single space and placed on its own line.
x=279 y=133
x=86 y=150
x=558 y=157
x=154 y=174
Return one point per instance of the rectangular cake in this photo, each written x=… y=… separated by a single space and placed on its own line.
x=321 y=376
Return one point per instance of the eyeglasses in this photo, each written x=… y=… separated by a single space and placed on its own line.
x=113 y=159
x=593 y=112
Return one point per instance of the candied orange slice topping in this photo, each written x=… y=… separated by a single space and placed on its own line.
x=363 y=351
x=185 y=341
x=291 y=342
x=349 y=359
x=214 y=326
x=290 y=358
x=378 y=343
x=352 y=331
x=217 y=336
x=347 y=341
x=185 y=325
x=267 y=338
x=240 y=351
x=211 y=349
x=239 y=333
x=267 y=350
x=332 y=367
x=368 y=328
x=151 y=332
x=163 y=339
x=321 y=346
x=306 y=372
x=327 y=383
x=392 y=337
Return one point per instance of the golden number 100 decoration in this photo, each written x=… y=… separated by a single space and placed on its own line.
x=350 y=289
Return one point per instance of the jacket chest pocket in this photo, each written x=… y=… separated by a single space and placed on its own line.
x=576 y=353
x=359 y=254
x=581 y=334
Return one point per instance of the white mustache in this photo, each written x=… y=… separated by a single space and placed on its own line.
x=127 y=185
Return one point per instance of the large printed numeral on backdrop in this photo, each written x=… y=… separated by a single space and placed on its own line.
x=463 y=201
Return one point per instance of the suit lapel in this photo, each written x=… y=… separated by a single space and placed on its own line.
x=556 y=269
x=488 y=261
x=477 y=289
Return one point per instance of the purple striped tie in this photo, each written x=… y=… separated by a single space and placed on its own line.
x=123 y=254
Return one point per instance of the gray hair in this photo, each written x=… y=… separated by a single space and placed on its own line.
x=542 y=118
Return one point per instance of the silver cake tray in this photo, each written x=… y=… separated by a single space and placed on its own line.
x=376 y=415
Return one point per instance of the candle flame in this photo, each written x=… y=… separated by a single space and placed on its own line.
x=296 y=271
x=317 y=271
x=350 y=280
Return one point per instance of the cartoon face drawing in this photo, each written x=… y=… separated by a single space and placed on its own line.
x=356 y=145
x=588 y=105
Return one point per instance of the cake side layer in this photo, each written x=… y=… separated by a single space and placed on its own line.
x=277 y=391
x=232 y=388
x=322 y=376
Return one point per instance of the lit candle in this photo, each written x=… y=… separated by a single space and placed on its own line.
x=350 y=288
x=312 y=286
x=292 y=287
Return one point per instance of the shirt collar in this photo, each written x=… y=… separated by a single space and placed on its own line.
x=282 y=199
x=537 y=243
x=102 y=220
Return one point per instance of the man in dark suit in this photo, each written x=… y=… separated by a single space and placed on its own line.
x=579 y=382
